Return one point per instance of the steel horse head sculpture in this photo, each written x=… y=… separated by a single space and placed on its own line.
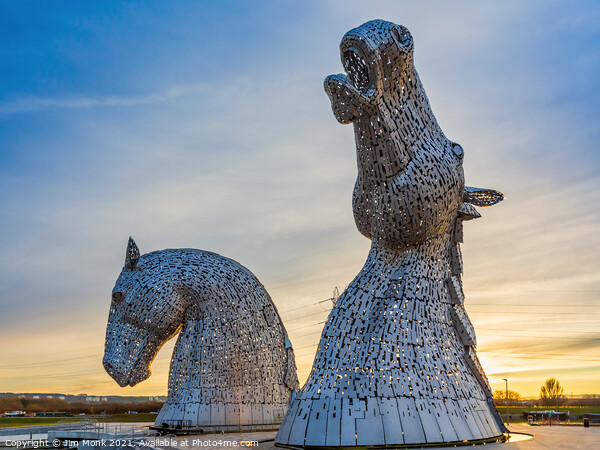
x=233 y=364
x=396 y=364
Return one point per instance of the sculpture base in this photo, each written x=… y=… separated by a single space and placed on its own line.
x=387 y=422
x=192 y=418
x=501 y=438
x=179 y=430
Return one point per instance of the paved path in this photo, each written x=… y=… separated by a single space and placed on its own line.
x=40 y=432
x=214 y=441
x=574 y=437
x=545 y=437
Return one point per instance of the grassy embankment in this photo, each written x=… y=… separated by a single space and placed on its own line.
x=577 y=410
x=574 y=411
x=7 y=422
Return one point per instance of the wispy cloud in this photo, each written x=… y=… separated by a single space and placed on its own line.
x=549 y=347
x=540 y=373
x=254 y=166
x=30 y=104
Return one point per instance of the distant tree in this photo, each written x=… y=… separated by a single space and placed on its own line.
x=46 y=405
x=500 y=397
x=584 y=400
x=14 y=403
x=10 y=404
x=551 y=393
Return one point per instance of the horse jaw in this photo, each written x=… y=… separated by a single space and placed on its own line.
x=139 y=375
x=140 y=372
x=131 y=370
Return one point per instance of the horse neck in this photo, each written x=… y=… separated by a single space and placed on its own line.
x=186 y=354
x=425 y=259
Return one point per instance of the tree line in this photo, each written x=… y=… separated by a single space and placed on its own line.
x=30 y=405
x=551 y=394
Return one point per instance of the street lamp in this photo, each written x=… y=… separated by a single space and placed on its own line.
x=507 y=416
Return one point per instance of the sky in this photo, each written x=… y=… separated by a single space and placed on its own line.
x=205 y=125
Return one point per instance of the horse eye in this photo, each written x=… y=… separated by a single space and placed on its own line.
x=117 y=297
x=402 y=35
x=458 y=151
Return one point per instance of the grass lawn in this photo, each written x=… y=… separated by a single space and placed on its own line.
x=128 y=418
x=577 y=410
x=7 y=422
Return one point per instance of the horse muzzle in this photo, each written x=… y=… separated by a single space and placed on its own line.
x=126 y=374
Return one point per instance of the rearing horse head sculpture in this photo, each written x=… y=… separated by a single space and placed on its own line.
x=396 y=364
x=410 y=180
x=232 y=364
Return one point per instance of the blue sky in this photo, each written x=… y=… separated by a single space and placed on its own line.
x=204 y=124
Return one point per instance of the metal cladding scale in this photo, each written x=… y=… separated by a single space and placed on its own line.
x=233 y=363
x=396 y=364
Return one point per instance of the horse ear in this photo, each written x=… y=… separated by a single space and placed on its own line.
x=132 y=255
x=482 y=197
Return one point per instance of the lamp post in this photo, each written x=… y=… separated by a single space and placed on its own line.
x=507 y=416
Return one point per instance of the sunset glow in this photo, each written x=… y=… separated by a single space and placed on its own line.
x=153 y=120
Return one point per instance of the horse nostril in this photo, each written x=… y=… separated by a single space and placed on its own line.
x=117 y=297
